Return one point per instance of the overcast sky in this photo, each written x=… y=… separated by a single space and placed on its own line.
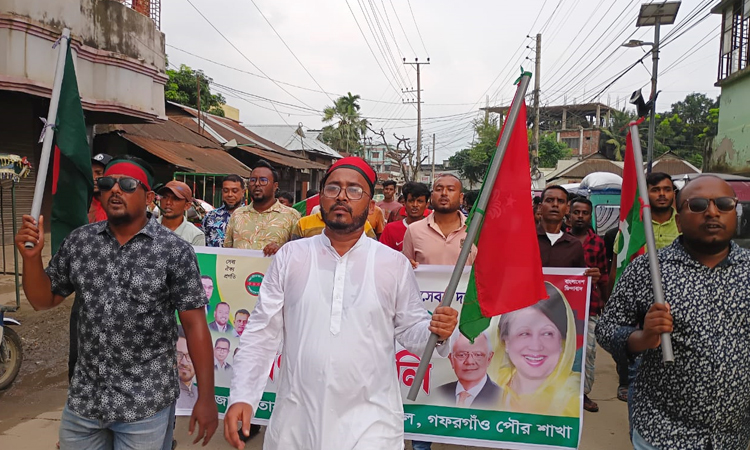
x=475 y=50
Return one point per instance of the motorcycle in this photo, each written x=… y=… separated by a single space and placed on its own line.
x=11 y=353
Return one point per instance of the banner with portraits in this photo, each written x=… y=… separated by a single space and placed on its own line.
x=518 y=386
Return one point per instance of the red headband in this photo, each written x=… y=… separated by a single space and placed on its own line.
x=358 y=164
x=129 y=169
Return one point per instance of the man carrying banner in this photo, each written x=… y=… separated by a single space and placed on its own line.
x=561 y=249
x=125 y=382
x=215 y=222
x=701 y=400
x=265 y=224
x=339 y=319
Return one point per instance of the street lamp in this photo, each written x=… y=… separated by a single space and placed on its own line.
x=654 y=14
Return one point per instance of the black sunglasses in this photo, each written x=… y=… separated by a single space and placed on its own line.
x=127 y=184
x=700 y=204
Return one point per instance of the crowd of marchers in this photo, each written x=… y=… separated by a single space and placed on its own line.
x=348 y=268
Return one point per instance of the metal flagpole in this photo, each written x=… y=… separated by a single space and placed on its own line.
x=49 y=130
x=653 y=260
x=473 y=230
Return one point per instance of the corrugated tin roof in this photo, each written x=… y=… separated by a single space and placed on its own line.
x=170 y=130
x=190 y=157
x=222 y=130
x=293 y=138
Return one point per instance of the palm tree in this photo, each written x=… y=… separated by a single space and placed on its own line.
x=347 y=129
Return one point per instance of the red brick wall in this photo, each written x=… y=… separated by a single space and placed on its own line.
x=590 y=140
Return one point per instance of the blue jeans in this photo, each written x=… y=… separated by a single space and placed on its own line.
x=420 y=445
x=151 y=433
x=640 y=444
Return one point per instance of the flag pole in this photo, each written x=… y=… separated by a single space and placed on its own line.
x=49 y=129
x=653 y=260
x=476 y=223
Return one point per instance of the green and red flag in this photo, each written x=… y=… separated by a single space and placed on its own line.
x=507 y=272
x=305 y=206
x=631 y=239
x=72 y=179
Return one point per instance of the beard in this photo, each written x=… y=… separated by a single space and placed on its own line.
x=446 y=209
x=357 y=222
x=231 y=206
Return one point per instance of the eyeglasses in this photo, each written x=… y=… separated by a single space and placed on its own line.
x=261 y=181
x=222 y=349
x=181 y=355
x=700 y=204
x=465 y=355
x=352 y=192
x=127 y=184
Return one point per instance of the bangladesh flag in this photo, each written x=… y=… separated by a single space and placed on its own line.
x=305 y=206
x=507 y=272
x=632 y=236
x=72 y=180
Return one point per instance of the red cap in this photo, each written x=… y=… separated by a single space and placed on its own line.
x=358 y=164
x=179 y=189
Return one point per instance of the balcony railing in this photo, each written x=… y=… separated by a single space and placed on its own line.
x=149 y=8
x=734 y=39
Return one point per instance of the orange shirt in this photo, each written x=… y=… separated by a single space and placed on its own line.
x=377 y=220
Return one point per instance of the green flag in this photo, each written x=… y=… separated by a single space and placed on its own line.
x=72 y=179
x=632 y=236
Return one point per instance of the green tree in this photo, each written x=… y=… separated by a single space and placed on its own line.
x=614 y=135
x=551 y=151
x=182 y=88
x=346 y=125
x=472 y=162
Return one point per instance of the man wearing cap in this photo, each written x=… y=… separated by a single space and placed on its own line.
x=176 y=198
x=265 y=224
x=132 y=275
x=339 y=318
x=98 y=164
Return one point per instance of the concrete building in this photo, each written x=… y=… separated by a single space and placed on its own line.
x=119 y=57
x=388 y=169
x=732 y=144
x=578 y=126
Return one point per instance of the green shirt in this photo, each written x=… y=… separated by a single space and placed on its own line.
x=664 y=233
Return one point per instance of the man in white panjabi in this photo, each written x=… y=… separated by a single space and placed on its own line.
x=339 y=318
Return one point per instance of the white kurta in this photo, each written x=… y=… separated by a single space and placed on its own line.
x=340 y=317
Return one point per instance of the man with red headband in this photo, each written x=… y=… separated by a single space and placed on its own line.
x=131 y=274
x=339 y=318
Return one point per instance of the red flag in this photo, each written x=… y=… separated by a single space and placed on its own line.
x=507 y=272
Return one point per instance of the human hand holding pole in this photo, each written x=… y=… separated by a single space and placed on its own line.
x=237 y=413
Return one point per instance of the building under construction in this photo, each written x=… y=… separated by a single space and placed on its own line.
x=578 y=126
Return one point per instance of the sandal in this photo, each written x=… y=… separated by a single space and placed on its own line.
x=622 y=393
x=589 y=405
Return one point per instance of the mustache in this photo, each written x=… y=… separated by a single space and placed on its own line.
x=343 y=205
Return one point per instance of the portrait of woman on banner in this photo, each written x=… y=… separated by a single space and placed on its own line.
x=534 y=354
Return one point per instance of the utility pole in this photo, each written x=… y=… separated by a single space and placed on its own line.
x=537 y=87
x=652 y=117
x=432 y=180
x=198 y=83
x=419 y=110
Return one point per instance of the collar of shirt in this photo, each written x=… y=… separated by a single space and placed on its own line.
x=250 y=209
x=678 y=252
x=433 y=226
x=150 y=229
x=540 y=231
x=670 y=222
x=327 y=244
x=473 y=391
x=180 y=229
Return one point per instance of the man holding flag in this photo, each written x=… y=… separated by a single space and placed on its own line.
x=125 y=384
x=701 y=400
x=339 y=319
